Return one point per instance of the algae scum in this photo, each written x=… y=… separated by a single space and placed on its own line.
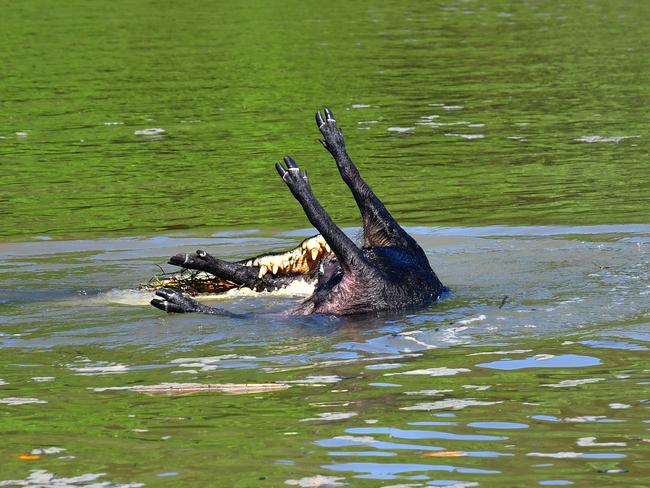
x=509 y=138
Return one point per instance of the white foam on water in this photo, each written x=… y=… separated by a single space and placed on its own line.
x=572 y=383
x=48 y=450
x=102 y=369
x=125 y=297
x=329 y=416
x=501 y=353
x=428 y=392
x=591 y=442
x=207 y=363
x=469 y=137
x=316 y=380
x=556 y=455
x=450 y=404
x=137 y=297
x=20 y=401
x=442 y=371
x=153 y=131
x=317 y=481
x=42 y=477
x=613 y=139
x=480 y=318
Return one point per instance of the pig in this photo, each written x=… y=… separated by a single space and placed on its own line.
x=389 y=271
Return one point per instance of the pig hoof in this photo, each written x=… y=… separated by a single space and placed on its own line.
x=333 y=138
x=295 y=179
x=172 y=301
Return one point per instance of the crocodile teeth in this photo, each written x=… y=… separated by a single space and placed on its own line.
x=314 y=254
x=263 y=271
x=327 y=247
x=275 y=268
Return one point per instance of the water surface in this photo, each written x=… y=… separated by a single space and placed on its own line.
x=135 y=119
x=533 y=367
x=511 y=139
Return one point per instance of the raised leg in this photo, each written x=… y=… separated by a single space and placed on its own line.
x=346 y=251
x=380 y=228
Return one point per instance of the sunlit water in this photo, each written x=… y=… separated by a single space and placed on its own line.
x=171 y=116
x=510 y=137
x=533 y=369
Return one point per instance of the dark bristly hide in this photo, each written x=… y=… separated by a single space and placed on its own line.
x=389 y=272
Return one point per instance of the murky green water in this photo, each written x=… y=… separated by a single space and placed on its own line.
x=511 y=137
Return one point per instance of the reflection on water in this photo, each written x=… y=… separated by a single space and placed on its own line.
x=42 y=478
x=543 y=361
x=532 y=369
